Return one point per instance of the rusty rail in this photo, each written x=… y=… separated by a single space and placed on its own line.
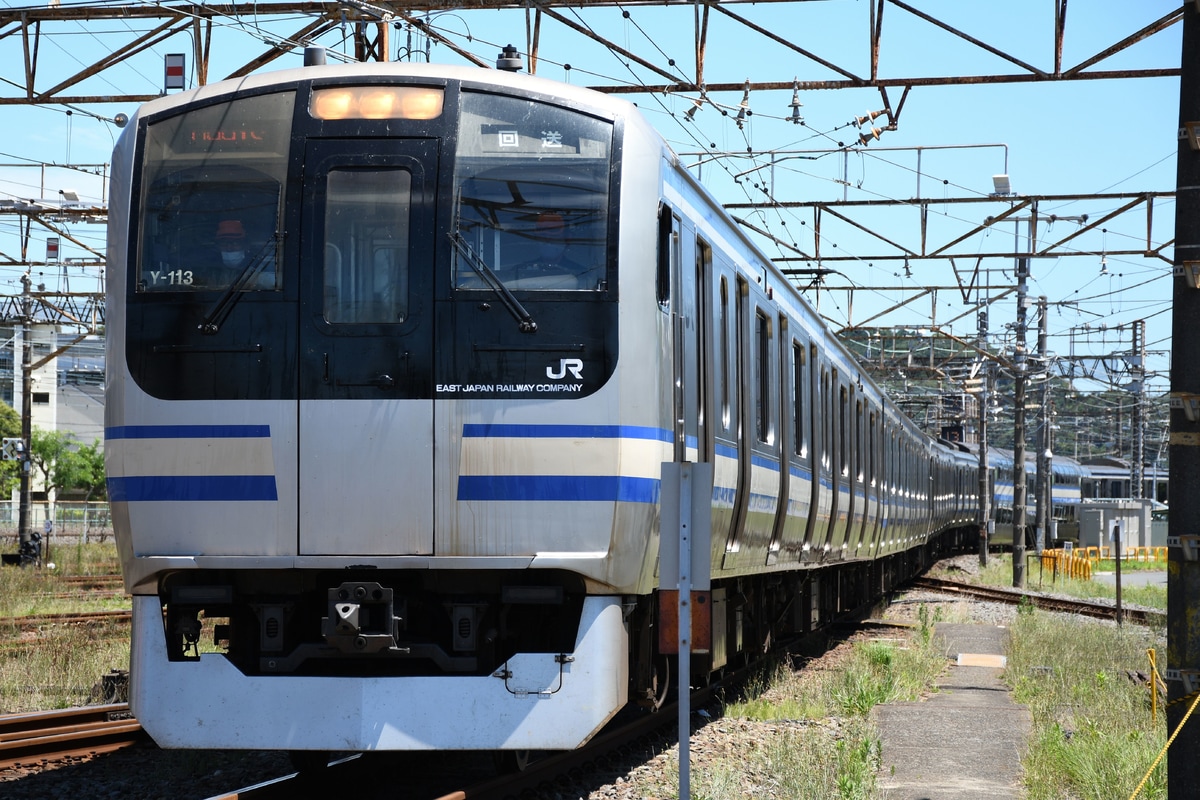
x=50 y=735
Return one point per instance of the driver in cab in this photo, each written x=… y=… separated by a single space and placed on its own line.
x=238 y=264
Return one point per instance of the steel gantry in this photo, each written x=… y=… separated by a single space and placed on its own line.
x=286 y=26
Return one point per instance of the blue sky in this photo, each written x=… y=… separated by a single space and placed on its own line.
x=1052 y=138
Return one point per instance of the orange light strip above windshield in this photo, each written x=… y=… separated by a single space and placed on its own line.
x=376 y=102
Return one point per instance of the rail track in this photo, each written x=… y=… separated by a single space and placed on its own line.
x=94 y=581
x=70 y=733
x=630 y=736
x=67 y=618
x=1061 y=604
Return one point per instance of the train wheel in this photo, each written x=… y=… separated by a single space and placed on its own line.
x=309 y=761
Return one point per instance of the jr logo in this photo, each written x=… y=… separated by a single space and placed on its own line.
x=565 y=365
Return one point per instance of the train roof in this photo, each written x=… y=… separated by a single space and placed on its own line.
x=516 y=81
x=1001 y=458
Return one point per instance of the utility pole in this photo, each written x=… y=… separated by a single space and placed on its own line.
x=1137 y=372
x=1044 y=480
x=984 y=399
x=1019 y=379
x=1183 y=574
x=23 y=515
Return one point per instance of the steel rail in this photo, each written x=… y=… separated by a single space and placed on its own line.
x=76 y=617
x=50 y=735
x=1084 y=608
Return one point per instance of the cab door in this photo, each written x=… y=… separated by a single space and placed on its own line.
x=366 y=343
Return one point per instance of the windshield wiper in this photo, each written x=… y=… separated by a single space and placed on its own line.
x=233 y=292
x=524 y=320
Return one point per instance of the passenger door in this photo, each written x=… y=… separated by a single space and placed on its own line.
x=366 y=346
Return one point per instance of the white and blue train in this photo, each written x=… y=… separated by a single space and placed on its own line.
x=396 y=355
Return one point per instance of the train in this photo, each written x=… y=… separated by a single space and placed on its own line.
x=397 y=356
x=1069 y=484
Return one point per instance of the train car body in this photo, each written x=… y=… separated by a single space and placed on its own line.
x=1068 y=479
x=392 y=481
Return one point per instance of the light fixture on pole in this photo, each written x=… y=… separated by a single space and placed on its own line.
x=1191 y=132
x=1190 y=272
x=1002 y=186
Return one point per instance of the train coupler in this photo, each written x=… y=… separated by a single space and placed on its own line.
x=361 y=618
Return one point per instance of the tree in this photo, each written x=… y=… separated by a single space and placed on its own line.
x=10 y=428
x=65 y=464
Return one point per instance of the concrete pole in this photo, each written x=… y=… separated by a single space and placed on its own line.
x=24 y=525
x=984 y=398
x=1183 y=574
x=1044 y=481
x=1019 y=380
x=1137 y=374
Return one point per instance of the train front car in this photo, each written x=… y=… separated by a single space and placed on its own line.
x=378 y=477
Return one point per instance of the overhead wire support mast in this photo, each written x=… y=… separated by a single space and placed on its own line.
x=152 y=24
x=24 y=531
x=1020 y=378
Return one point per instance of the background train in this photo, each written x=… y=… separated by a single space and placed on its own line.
x=1069 y=484
x=396 y=355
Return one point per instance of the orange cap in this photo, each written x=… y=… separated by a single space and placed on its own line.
x=549 y=221
x=230 y=229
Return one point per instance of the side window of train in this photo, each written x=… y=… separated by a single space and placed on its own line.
x=762 y=371
x=859 y=443
x=668 y=254
x=843 y=427
x=826 y=420
x=213 y=184
x=873 y=450
x=723 y=362
x=799 y=400
x=531 y=188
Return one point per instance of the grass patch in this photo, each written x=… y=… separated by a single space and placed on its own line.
x=61 y=668
x=1092 y=732
x=58 y=666
x=816 y=739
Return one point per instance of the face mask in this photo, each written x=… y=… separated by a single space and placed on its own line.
x=232 y=258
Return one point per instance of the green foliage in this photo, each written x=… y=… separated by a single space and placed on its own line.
x=927 y=621
x=1093 y=736
x=64 y=464
x=10 y=428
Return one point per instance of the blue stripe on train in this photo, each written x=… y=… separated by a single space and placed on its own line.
x=188 y=432
x=480 y=431
x=607 y=488
x=229 y=488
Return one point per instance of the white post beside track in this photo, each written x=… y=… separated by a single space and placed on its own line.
x=685 y=533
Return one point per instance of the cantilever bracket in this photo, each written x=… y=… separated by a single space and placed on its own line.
x=1190 y=678
x=1189 y=543
x=1189 y=404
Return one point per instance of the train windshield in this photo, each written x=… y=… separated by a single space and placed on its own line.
x=531 y=196
x=214 y=181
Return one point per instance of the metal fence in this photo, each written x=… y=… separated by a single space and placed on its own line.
x=69 y=522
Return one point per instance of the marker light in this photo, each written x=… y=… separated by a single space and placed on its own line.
x=376 y=102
